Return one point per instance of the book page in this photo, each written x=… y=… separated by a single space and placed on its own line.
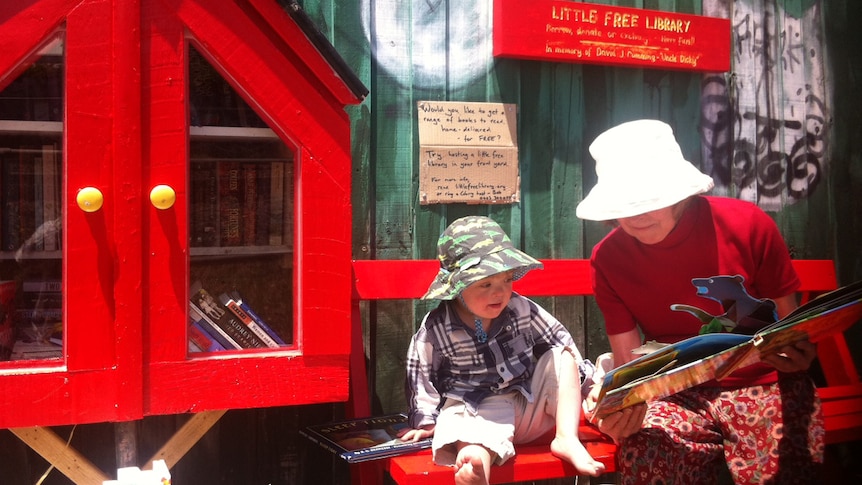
x=706 y=357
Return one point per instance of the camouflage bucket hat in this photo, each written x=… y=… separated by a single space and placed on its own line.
x=473 y=248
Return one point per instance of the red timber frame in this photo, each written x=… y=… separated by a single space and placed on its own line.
x=125 y=266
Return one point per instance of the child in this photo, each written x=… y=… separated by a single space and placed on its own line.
x=488 y=367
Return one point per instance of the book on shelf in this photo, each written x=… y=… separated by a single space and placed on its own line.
x=41 y=299
x=10 y=198
x=196 y=203
x=36 y=350
x=38 y=314
x=212 y=330
x=235 y=295
x=249 y=322
x=41 y=285
x=204 y=210
x=203 y=340
x=38 y=243
x=714 y=356
x=287 y=214
x=276 y=208
x=26 y=197
x=261 y=213
x=50 y=195
x=249 y=203
x=363 y=439
x=230 y=203
x=217 y=315
x=30 y=315
x=7 y=319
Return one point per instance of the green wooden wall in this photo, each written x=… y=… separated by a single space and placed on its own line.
x=805 y=88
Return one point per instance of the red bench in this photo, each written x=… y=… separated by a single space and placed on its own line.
x=408 y=279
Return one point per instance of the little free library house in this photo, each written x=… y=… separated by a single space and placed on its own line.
x=189 y=190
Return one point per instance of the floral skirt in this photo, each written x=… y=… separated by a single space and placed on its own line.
x=762 y=434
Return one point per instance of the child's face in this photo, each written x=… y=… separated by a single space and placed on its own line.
x=488 y=297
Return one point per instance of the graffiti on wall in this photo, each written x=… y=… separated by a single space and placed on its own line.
x=764 y=125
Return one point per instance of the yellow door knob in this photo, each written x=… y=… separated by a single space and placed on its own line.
x=90 y=199
x=163 y=197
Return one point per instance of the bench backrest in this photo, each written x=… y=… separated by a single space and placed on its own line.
x=409 y=279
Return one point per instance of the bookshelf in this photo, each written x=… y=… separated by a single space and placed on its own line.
x=189 y=101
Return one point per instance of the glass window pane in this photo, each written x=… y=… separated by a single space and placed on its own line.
x=240 y=222
x=31 y=126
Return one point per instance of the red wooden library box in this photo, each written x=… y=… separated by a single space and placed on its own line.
x=153 y=110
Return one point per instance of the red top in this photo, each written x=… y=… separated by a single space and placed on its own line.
x=635 y=284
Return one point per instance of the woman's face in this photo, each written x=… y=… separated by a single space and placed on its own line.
x=652 y=227
x=488 y=297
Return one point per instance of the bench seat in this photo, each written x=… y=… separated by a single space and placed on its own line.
x=842 y=412
x=532 y=462
x=408 y=279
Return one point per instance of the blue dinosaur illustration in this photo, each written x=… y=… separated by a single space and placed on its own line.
x=743 y=313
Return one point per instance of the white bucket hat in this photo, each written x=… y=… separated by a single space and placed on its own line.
x=640 y=168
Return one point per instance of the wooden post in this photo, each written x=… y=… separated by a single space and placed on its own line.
x=126 y=443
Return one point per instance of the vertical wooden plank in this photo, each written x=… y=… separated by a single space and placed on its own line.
x=807 y=111
x=391 y=31
x=566 y=190
x=843 y=38
x=845 y=172
x=125 y=443
x=127 y=149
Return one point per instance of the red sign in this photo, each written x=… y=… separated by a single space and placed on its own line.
x=555 y=30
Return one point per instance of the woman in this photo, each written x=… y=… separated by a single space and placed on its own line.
x=764 y=421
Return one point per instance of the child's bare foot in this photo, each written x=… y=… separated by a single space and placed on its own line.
x=573 y=451
x=469 y=470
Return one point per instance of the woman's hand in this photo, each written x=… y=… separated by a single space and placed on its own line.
x=592 y=399
x=625 y=423
x=793 y=358
x=415 y=435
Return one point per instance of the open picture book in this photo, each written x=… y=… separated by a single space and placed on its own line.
x=714 y=356
x=363 y=439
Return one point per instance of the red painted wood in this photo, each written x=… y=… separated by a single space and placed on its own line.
x=816 y=276
x=88 y=124
x=290 y=36
x=533 y=462
x=263 y=379
x=842 y=412
x=61 y=397
x=401 y=279
x=165 y=141
x=127 y=297
x=98 y=381
x=323 y=262
x=557 y=30
x=392 y=279
x=125 y=266
x=23 y=28
x=839 y=368
x=287 y=95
